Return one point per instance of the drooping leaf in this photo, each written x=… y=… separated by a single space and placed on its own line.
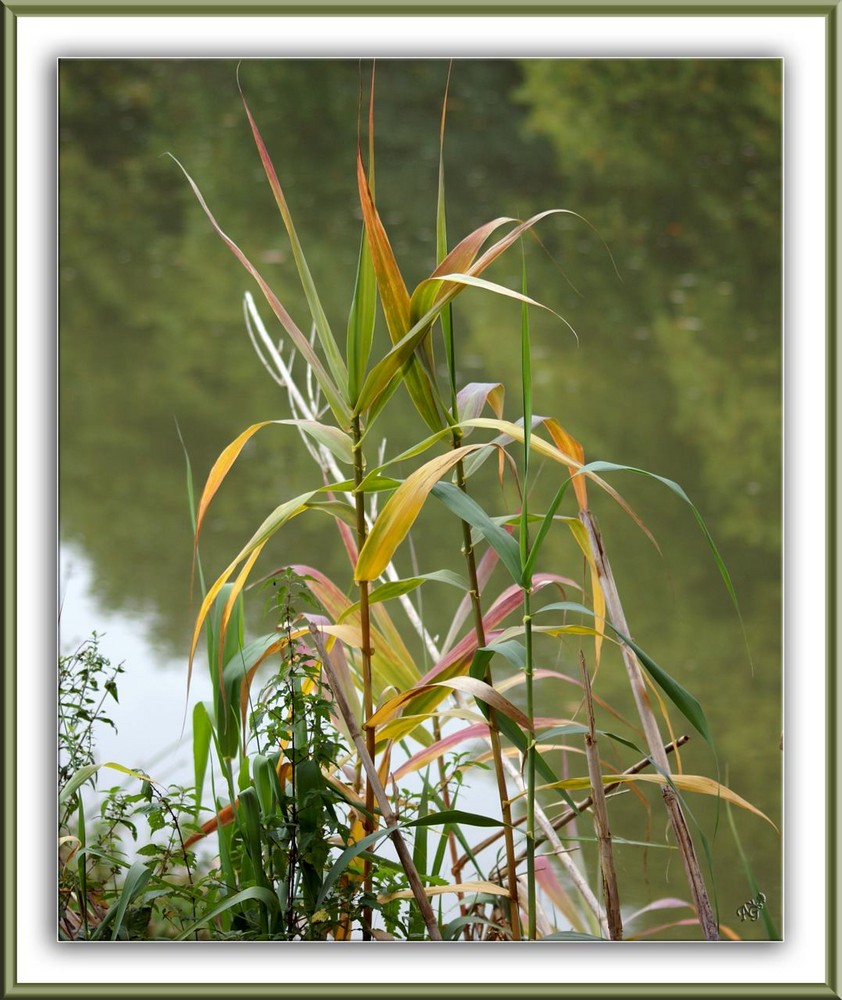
x=331 y=392
x=85 y=773
x=683 y=700
x=683 y=782
x=326 y=339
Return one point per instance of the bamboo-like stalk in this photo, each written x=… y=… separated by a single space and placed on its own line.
x=378 y=791
x=493 y=733
x=563 y=856
x=684 y=841
x=610 y=894
x=365 y=628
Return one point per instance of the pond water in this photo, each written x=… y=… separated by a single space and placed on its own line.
x=675 y=165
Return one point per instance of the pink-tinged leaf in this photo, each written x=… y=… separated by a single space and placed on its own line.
x=485 y=692
x=473 y=398
x=690 y=922
x=434 y=751
x=485 y=568
x=667 y=903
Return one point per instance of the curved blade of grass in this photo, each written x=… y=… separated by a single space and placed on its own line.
x=334 y=358
x=679 y=492
x=258 y=892
x=698 y=783
x=397 y=588
x=332 y=394
x=400 y=512
x=136 y=878
x=462 y=257
x=84 y=773
x=468 y=280
x=283 y=513
x=335 y=440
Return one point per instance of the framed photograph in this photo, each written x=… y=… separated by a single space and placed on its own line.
x=526 y=316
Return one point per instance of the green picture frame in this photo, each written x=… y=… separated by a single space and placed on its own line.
x=16 y=14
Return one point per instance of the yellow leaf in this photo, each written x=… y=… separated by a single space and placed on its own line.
x=400 y=512
x=684 y=782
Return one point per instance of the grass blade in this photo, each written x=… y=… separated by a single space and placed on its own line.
x=332 y=394
x=332 y=354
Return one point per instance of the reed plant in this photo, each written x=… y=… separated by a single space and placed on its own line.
x=353 y=742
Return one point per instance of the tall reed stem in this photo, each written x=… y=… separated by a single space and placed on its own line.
x=494 y=735
x=530 y=767
x=365 y=628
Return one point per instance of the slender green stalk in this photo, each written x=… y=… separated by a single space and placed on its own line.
x=530 y=767
x=365 y=628
x=526 y=377
x=494 y=735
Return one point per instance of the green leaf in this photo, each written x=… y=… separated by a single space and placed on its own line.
x=450 y=816
x=397 y=588
x=263 y=895
x=467 y=509
x=361 y=320
x=136 y=878
x=345 y=858
x=720 y=563
x=685 y=702
x=85 y=773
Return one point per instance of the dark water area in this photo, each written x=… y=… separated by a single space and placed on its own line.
x=672 y=285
